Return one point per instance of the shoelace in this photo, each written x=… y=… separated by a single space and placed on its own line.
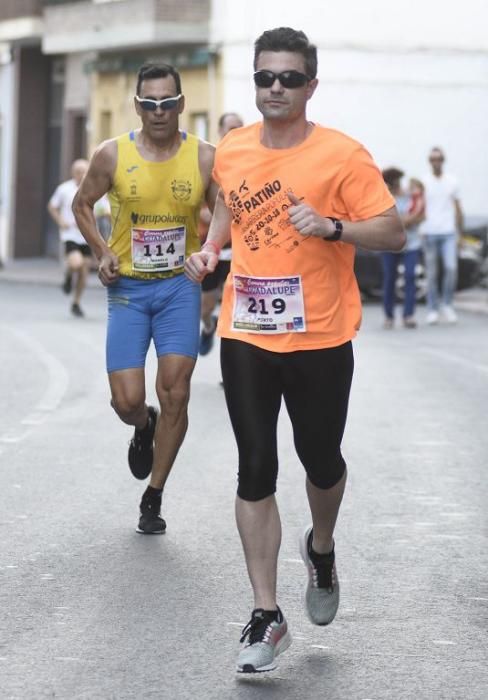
x=257 y=629
x=323 y=575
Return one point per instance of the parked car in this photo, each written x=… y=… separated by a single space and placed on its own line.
x=472 y=264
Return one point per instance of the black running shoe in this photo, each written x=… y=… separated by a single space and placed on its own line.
x=141 y=447
x=76 y=310
x=150 y=521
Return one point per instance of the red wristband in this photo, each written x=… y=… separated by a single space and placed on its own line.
x=214 y=245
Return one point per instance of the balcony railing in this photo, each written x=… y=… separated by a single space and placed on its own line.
x=90 y=26
x=15 y=9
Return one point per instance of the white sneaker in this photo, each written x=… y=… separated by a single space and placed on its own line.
x=449 y=314
x=432 y=318
x=263 y=639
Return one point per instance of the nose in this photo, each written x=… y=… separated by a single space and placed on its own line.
x=276 y=86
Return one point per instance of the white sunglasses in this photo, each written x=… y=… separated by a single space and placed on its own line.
x=149 y=105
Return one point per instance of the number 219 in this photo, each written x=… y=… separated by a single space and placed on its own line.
x=258 y=306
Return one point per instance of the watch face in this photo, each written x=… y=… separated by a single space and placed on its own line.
x=338 y=230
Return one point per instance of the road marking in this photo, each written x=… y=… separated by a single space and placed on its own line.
x=58 y=381
x=485 y=600
x=469 y=364
x=294 y=561
x=443 y=642
x=318 y=646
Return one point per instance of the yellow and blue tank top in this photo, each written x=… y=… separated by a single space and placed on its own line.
x=155 y=209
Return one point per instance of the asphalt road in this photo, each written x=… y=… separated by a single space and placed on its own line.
x=92 y=610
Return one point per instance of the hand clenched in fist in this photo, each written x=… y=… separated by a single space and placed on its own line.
x=306 y=220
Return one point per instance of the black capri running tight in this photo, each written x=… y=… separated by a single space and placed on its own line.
x=315 y=385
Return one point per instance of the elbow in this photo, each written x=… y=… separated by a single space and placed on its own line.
x=398 y=240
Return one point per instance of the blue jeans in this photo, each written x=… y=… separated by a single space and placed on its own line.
x=390 y=267
x=445 y=246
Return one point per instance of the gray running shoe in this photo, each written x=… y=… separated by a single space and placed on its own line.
x=263 y=638
x=322 y=593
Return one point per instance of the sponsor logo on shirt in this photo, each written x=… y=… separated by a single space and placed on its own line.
x=181 y=190
x=139 y=219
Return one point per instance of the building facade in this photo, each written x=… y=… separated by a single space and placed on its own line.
x=71 y=66
x=399 y=80
x=399 y=77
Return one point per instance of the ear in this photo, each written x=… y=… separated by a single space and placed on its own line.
x=181 y=106
x=311 y=87
x=137 y=106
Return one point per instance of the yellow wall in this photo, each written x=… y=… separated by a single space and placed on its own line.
x=112 y=107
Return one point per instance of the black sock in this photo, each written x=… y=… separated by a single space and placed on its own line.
x=152 y=494
x=316 y=557
x=274 y=614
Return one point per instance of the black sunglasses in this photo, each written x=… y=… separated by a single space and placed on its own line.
x=149 y=105
x=288 y=78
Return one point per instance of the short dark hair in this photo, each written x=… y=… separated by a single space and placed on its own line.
x=224 y=116
x=392 y=175
x=150 y=71
x=288 y=39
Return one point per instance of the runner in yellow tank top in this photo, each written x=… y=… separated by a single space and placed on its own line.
x=157 y=178
x=155 y=209
x=296 y=198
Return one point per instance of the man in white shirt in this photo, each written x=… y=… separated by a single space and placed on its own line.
x=78 y=253
x=442 y=226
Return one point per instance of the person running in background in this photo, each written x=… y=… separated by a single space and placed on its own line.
x=212 y=284
x=77 y=252
x=441 y=230
x=296 y=198
x=156 y=177
x=411 y=208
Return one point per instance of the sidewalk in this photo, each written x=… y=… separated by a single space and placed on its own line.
x=50 y=272
x=45 y=271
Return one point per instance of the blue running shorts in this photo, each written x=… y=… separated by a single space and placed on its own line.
x=164 y=310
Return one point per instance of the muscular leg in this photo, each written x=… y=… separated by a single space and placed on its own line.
x=173 y=390
x=81 y=281
x=259 y=527
x=129 y=396
x=253 y=394
x=324 y=507
x=317 y=395
x=77 y=265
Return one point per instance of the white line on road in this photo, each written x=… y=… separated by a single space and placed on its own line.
x=58 y=380
x=443 y=642
x=469 y=364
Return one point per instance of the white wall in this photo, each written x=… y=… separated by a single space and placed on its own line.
x=399 y=78
x=7 y=136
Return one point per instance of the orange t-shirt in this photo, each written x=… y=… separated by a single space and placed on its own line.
x=286 y=291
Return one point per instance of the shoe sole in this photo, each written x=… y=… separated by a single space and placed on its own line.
x=304 y=555
x=282 y=646
x=155 y=532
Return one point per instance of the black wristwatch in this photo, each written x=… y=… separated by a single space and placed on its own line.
x=337 y=235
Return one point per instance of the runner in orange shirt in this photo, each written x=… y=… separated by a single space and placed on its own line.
x=296 y=198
